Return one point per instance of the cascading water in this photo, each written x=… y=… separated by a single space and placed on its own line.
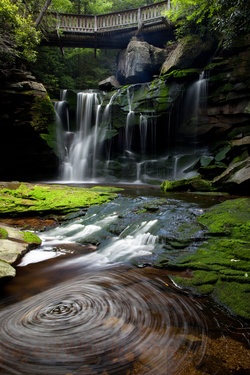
x=196 y=99
x=81 y=146
x=130 y=152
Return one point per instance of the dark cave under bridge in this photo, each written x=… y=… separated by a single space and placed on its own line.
x=112 y=30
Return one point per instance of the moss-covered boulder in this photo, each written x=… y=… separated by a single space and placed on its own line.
x=221 y=265
x=195 y=183
x=24 y=198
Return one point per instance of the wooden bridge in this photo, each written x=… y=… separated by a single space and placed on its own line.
x=112 y=30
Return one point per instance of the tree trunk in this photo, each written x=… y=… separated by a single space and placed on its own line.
x=41 y=14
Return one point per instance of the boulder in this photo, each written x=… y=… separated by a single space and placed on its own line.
x=191 y=51
x=14 y=244
x=236 y=178
x=139 y=62
x=245 y=141
x=109 y=84
x=28 y=85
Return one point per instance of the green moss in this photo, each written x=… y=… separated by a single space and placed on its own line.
x=31 y=238
x=230 y=218
x=43 y=120
x=234 y=296
x=194 y=184
x=222 y=154
x=31 y=198
x=221 y=264
x=3 y=233
x=50 y=138
x=181 y=73
x=42 y=113
x=202 y=281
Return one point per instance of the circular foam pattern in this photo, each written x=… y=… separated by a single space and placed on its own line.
x=109 y=322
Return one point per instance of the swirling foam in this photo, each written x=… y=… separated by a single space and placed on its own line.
x=118 y=321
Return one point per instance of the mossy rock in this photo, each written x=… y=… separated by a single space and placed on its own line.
x=234 y=296
x=41 y=198
x=182 y=74
x=42 y=113
x=220 y=266
x=230 y=218
x=222 y=154
x=3 y=233
x=194 y=184
x=31 y=238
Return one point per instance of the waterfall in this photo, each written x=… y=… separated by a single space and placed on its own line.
x=62 y=121
x=80 y=146
x=196 y=98
x=143 y=132
x=129 y=121
x=96 y=142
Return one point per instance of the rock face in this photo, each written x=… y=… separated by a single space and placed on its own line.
x=27 y=127
x=190 y=52
x=139 y=62
x=220 y=121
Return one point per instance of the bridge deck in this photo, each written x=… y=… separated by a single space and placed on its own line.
x=112 y=30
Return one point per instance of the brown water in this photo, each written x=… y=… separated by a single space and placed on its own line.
x=115 y=320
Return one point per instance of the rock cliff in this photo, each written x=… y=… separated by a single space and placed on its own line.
x=221 y=122
x=27 y=129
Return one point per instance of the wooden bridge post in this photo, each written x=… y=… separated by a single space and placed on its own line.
x=95 y=24
x=139 y=18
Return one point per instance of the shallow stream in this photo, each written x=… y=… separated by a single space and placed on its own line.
x=100 y=304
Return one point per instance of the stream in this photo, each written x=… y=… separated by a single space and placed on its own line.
x=94 y=300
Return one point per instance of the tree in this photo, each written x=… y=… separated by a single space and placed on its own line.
x=228 y=18
x=18 y=36
x=42 y=13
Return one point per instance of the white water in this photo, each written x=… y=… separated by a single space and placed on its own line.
x=133 y=155
x=196 y=98
x=81 y=162
x=139 y=242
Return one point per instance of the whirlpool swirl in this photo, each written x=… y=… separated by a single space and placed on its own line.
x=110 y=322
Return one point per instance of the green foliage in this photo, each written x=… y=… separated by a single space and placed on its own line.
x=77 y=69
x=106 y=6
x=18 y=36
x=62 y=6
x=227 y=18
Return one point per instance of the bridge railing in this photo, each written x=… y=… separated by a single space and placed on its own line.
x=112 y=21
